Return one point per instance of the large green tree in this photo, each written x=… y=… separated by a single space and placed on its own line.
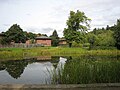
x=77 y=25
x=55 y=38
x=16 y=34
x=30 y=35
x=117 y=34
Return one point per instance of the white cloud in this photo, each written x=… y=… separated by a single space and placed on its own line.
x=38 y=15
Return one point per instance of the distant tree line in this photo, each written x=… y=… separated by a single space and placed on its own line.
x=77 y=33
x=17 y=35
x=105 y=37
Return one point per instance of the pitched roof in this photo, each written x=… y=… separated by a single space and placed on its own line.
x=62 y=39
x=1 y=34
x=43 y=38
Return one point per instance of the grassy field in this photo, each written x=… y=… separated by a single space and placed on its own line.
x=21 y=53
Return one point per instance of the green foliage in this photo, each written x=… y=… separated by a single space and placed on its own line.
x=106 y=39
x=30 y=35
x=55 y=38
x=86 y=70
x=101 y=38
x=19 y=53
x=77 y=45
x=16 y=34
x=91 y=39
x=77 y=25
x=117 y=34
x=107 y=28
x=104 y=48
x=3 y=41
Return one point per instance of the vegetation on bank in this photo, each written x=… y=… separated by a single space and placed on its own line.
x=22 y=53
x=87 y=70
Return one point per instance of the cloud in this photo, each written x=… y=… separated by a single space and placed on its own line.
x=31 y=29
x=3 y=1
x=45 y=16
x=28 y=14
x=47 y=30
x=6 y=25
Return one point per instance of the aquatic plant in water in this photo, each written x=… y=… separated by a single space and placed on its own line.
x=84 y=70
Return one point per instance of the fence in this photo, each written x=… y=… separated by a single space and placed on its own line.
x=21 y=45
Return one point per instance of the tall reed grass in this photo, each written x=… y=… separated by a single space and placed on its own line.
x=88 y=70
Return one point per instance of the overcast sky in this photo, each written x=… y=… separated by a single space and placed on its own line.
x=43 y=16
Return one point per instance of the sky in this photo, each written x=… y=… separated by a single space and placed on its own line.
x=45 y=16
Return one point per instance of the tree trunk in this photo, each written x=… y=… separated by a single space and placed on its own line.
x=70 y=45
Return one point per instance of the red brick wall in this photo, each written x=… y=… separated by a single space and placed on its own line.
x=44 y=42
x=62 y=42
x=28 y=42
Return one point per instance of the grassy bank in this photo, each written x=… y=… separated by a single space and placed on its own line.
x=21 y=53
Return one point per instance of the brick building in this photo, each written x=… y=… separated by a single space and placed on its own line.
x=62 y=42
x=43 y=40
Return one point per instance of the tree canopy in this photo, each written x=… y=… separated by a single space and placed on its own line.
x=16 y=34
x=77 y=24
x=117 y=34
x=55 y=38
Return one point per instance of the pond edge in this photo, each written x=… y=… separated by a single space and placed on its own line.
x=59 y=86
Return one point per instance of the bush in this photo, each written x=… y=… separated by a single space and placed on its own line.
x=77 y=44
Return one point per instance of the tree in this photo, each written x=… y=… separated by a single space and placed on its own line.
x=102 y=39
x=107 y=28
x=55 y=38
x=30 y=35
x=16 y=34
x=94 y=30
x=77 y=24
x=91 y=40
x=117 y=34
x=44 y=35
x=106 y=39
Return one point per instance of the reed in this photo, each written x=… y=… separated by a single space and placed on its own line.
x=84 y=70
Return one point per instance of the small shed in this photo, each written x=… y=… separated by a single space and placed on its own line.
x=43 y=40
x=62 y=41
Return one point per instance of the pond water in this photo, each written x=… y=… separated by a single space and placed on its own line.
x=60 y=70
x=32 y=71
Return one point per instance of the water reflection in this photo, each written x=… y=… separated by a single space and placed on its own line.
x=14 y=68
x=28 y=71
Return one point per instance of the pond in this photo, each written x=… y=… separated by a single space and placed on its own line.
x=61 y=70
x=32 y=71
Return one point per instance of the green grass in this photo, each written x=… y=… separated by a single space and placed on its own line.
x=21 y=53
x=86 y=70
